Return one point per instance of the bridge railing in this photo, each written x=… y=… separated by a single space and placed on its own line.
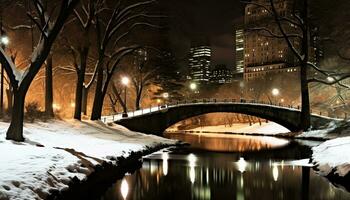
x=158 y=107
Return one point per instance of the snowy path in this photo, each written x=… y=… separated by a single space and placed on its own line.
x=29 y=170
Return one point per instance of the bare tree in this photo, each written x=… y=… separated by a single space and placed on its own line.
x=113 y=47
x=20 y=80
x=85 y=16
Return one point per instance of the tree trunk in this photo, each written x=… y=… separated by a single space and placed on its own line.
x=15 y=131
x=48 y=87
x=138 y=100
x=305 y=101
x=98 y=99
x=80 y=84
x=85 y=94
x=9 y=100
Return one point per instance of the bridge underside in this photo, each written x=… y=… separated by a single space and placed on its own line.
x=157 y=122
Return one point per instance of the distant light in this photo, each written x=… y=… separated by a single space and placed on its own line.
x=282 y=100
x=193 y=86
x=158 y=101
x=125 y=80
x=165 y=95
x=56 y=106
x=330 y=79
x=5 y=40
x=72 y=105
x=275 y=92
x=124 y=188
x=242 y=165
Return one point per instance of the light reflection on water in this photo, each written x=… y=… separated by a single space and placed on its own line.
x=191 y=174
x=229 y=143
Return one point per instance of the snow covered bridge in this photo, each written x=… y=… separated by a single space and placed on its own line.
x=157 y=119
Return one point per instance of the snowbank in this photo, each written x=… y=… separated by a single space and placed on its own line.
x=333 y=156
x=54 y=152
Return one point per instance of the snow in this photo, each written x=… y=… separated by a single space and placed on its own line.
x=16 y=72
x=333 y=155
x=54 y=152
x=269 y=128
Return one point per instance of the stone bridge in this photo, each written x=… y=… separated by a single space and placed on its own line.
x=157 y=120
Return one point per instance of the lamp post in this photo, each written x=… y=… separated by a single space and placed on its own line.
x=193 y=87
x=275 y=92
x=125 y=82
x=165 y=97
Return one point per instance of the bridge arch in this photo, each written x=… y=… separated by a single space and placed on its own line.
x=157 y=122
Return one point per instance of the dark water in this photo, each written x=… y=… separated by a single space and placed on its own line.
x=253 y=168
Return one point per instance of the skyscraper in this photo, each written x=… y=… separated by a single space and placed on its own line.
x=239 y=50
x=199 y=62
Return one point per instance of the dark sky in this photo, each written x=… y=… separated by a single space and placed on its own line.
x=193 y=19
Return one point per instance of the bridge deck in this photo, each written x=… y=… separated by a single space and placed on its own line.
x=151 y=110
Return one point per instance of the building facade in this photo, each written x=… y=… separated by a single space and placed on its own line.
x=199 y=63
x=264 y=54
x=221 y=74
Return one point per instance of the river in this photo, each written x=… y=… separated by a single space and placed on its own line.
x=222 y=167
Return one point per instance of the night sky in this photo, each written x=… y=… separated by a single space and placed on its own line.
x=191 y=20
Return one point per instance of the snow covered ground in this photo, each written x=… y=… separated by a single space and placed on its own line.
x=333 y=156
x=265 y=128
x=56 y=151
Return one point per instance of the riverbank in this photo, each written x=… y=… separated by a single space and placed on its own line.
x=60 y=155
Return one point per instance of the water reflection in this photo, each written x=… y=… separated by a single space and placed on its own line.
x=241 y=164
x=229 y=143
x=190 y=174
x=165 y=157
x=124 y=188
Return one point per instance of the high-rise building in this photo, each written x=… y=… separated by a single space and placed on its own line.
x=239 y=50
x=264 y=54
x=199 y=63
x=221 y=74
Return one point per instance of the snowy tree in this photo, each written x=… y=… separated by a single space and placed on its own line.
x=49 y=24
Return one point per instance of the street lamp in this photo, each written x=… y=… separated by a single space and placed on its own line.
x=275 y=92
x=5 y=40
x=193 y=86
x=165 y=97
x=125 y=82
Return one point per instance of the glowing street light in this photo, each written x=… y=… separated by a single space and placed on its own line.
x=5 y=40
x=125 y=81
x=275 y=92
x=165 y=95
x=193 y=86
